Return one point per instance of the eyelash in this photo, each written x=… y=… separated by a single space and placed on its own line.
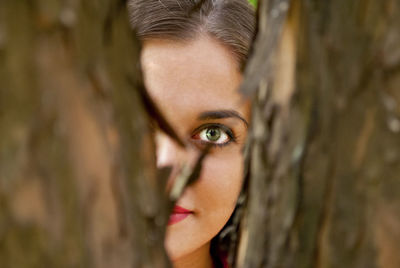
x=225 y=129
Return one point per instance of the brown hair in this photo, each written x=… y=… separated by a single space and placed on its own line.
x=232 y=22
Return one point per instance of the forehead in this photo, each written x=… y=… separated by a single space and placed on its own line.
x=191 y=76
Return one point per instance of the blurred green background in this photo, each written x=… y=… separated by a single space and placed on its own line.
x=253 y=2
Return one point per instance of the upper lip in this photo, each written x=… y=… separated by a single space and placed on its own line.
x=178 y=209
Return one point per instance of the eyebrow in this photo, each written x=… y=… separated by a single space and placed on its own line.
x=220 y=114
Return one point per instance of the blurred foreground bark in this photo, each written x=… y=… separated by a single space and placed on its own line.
x=77 y=172
x=77 y=177
x=324 y=151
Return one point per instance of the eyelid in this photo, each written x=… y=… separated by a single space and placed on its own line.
x=228 y=131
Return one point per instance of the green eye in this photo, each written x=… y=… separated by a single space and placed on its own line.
x=214 y=135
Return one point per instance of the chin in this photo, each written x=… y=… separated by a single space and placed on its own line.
x=176 y=246
x=184 y=238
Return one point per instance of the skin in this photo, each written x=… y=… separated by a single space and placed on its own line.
x=187 y=79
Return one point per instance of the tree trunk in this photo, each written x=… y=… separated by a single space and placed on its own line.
x=78 y=186
x=77 y=174
x=325 y=140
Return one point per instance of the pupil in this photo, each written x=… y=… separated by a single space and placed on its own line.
x=213 y=134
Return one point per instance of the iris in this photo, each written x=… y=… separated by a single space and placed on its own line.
x=213 y=134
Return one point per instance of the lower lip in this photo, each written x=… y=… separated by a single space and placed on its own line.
x=177 y=217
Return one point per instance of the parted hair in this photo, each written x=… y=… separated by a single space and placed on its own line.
x=231 y=22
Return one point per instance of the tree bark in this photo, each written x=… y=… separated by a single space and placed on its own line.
x=325 y=140
x=78 y=186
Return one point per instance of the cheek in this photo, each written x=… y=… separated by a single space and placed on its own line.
x=220 y=182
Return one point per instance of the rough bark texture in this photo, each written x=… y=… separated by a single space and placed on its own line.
x=77 y=179
x=325 y=141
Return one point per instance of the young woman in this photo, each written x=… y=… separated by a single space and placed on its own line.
x=192 y=57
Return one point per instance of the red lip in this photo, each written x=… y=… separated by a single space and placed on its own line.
x=178 y=214
x=178 y=209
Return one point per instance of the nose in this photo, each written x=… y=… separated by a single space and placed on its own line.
x=169 y=155
x=168 y=152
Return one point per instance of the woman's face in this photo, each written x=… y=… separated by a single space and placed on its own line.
x=194 y=84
